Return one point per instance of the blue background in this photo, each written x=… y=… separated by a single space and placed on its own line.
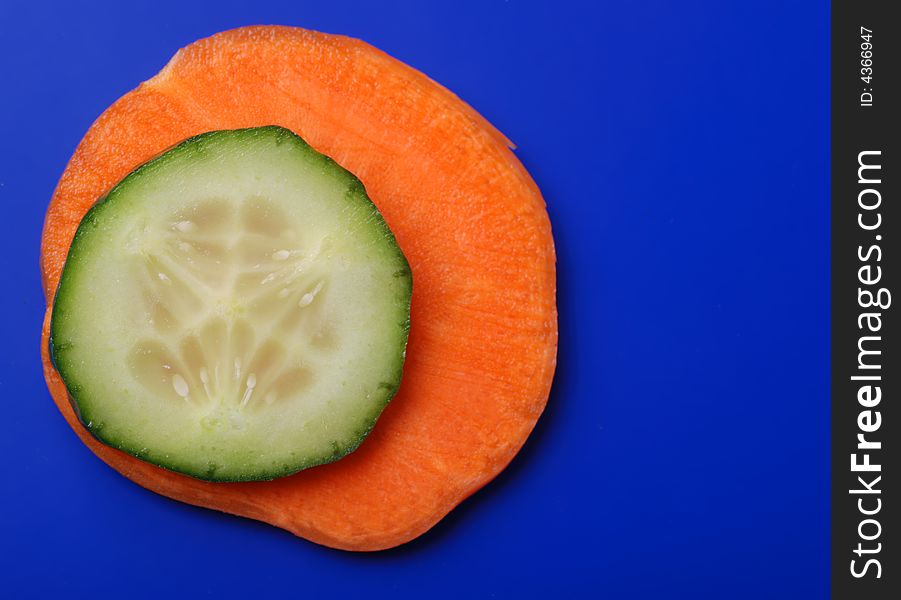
x=683 y=150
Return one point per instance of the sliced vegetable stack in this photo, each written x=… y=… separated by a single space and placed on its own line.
x=482 y=342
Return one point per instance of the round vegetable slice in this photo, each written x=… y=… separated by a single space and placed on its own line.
x=469 y=219
x=254 y=316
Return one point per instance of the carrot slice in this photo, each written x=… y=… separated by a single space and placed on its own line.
x=470 y=220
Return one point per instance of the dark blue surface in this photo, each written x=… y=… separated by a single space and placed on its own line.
x=683 y=150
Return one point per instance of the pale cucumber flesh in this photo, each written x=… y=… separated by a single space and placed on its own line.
x=236 y=309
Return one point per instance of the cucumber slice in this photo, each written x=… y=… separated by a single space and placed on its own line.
x=235 y=309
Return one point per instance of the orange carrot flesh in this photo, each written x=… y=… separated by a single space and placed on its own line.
x=472 y=223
